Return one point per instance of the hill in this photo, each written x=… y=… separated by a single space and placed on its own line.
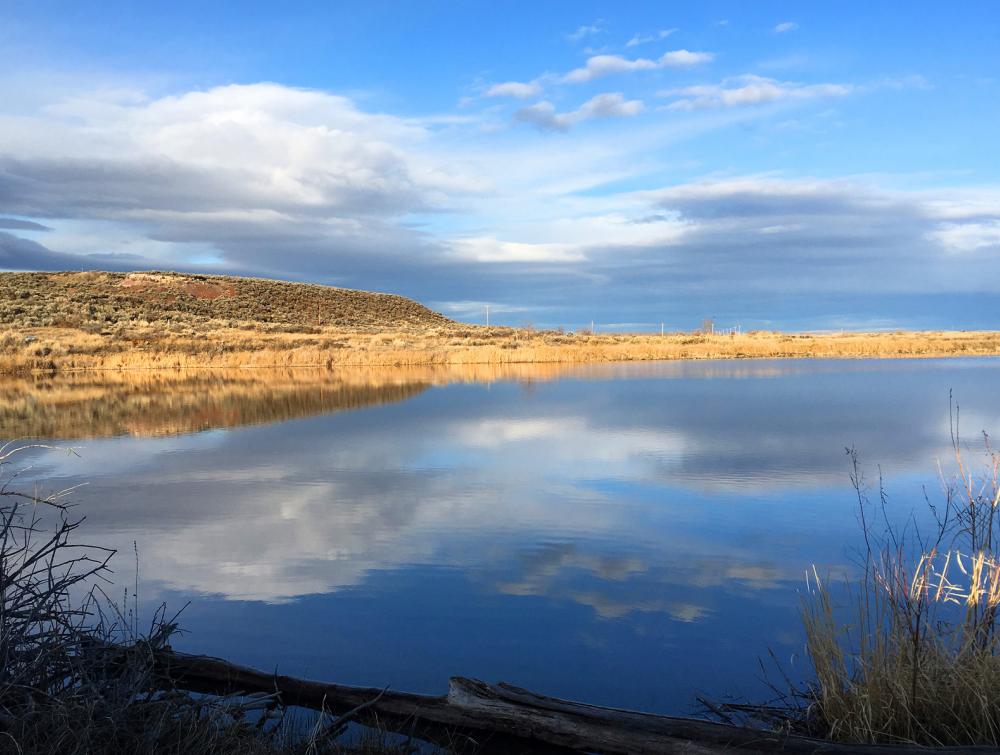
x=98 y=301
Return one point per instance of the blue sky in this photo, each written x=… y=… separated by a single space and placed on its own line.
x=820 y=165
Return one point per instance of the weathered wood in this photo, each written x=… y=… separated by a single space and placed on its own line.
x=477 y=715
x=428 y=717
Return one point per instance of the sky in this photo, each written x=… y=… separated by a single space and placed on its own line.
x=770 y=165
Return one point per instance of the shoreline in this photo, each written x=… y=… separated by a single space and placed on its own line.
x=58 y=350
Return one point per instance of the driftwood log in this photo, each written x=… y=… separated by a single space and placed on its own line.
x=485 y=717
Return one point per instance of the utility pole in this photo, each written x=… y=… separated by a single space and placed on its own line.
x=487 y=315
x=661 y=330
x=591 y=327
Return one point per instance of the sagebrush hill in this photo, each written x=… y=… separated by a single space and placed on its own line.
x=99 y=300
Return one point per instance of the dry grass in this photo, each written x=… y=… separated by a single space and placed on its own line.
x=96 y=302
x=83 y=321
x=920 y=662
x=51 y=349
x=910 y=652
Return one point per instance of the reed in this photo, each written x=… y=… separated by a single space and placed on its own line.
x=67 y=349
x=909 y=652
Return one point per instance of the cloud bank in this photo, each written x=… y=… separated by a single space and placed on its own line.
x=269 y=177
x=272 y=180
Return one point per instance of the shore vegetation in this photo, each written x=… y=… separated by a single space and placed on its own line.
x=906 y=652
x=123 y=321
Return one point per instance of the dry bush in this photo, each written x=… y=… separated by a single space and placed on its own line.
x=920 y=660
x=96 y=300
x=908 y=652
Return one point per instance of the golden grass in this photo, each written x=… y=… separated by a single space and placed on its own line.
x=917 y=660
x=72 y=349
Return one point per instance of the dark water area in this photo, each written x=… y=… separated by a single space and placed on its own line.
x=629 y=535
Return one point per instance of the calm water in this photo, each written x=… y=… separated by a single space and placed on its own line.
x=629 y=535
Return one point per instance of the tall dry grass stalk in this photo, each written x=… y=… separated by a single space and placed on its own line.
x=47 y=349
x=916 y=657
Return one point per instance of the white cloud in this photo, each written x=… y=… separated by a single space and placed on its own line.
x=969 y=236
x=490 y=249
x=584 y=31
x=641 y=39
x=785 y=26
x=749 y=90
x=606 y=65
x=543 y=115
x=683 y=58
x=771 y=229
x=476 y=310
x=243 y=168
x=306 y=149
x=608 y=105
x=518 y=89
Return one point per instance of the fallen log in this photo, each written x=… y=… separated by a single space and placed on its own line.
x=503 y=718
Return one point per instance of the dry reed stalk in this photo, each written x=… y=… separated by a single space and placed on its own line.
x=67 y=349
x=918 y=658
x=908 y=652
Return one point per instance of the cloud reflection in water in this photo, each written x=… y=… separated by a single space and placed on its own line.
x=682 y=494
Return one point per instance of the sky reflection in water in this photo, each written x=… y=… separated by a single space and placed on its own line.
x=625 y=534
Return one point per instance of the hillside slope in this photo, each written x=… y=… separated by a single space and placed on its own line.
x=97 y=300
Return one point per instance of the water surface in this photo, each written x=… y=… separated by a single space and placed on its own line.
x=626 y=534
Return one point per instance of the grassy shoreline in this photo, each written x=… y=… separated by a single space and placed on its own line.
x=75 y=321
x=73 y=349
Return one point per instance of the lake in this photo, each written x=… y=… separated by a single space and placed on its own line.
x=629 y=534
